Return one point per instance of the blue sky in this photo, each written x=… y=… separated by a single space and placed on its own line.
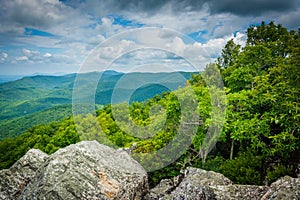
x=52 y=36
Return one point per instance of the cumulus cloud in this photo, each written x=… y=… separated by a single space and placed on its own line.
x=109 y=52
x=80 y=26
x=168 y=48
x=30 y=53
x=3 y=57
x=177 y=45
x=22 y=58
x=33 y=55
x=36 y=13
x=47 y=55
x=200 y=53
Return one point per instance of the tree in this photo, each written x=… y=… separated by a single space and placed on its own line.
x=229 y=54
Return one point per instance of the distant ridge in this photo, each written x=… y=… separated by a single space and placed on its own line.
x=22 y=98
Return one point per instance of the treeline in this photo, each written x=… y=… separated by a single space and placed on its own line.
x=47 y=138
x=18 y=125
x=259 y=141
x=41 y=99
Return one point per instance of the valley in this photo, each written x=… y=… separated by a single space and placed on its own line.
x=43 y=99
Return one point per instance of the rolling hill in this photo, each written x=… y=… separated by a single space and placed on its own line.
x=42 y=99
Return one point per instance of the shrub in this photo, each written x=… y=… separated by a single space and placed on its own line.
x=279 y=170
x=244 y=169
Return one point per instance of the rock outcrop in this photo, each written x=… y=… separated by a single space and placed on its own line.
x=89 y=170
x=198 y=184
x=17 y=177
x=193 y=184
x=86 y=170
x=285 y=188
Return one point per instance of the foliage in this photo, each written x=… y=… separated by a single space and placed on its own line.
x=13 y=127
x=47 y=138
x=263 y=98
x=278 y=171
x=43 y=99
x=260 y=138
x=244 y=169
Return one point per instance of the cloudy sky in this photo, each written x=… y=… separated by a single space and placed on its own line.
x=52 y=36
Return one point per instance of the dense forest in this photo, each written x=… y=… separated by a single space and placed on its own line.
x=43 y=99
x=260 y=138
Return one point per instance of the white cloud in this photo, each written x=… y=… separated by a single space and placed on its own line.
x=77 y=27
x=3 y=57
x=240 y=39
x=22 y=58
x=29 y=53
x=60 y=58
x=177 y=45
x=109 y=52
x=166 y=47
x=47 y=55
x=94 y=41
x=36 y=13
x=34 y=56
x=202 y=53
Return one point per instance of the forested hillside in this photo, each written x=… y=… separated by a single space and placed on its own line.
x=43 y=99
x=260 y=139
x=18 y=125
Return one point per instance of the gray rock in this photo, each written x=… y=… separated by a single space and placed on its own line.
x=15 y=179
x=194 y=184
x=199 y=184
x=88 y=170
x=285 y=188
x=205 y=178
x=190 y=191
x=240 y=192
x=165 y=186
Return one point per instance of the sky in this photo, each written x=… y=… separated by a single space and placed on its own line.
x=69 y=36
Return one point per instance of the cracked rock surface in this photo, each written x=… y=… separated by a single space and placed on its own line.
x=86 y=170
x=198 y=184
x=89 y=170
x=17 y=177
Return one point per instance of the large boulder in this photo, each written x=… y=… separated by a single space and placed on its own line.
x=193 y=184
x=198 y=184
x=285 y=188
x=16 y=178
x=240 y=192
x=88 y=170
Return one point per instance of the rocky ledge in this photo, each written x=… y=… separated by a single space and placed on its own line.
x=198 y=184
x=89 y=170
x=86 y=170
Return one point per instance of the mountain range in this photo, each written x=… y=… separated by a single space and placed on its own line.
x=42 y=99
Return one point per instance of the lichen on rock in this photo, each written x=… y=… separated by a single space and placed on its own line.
x=17 y=177
x=89 y=170
x=86 y=170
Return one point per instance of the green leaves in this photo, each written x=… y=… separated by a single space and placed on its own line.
x=263 y=98
x=261 y=134
x=47 y=138
x=244 y=169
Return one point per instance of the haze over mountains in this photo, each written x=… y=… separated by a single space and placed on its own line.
x=42 y=99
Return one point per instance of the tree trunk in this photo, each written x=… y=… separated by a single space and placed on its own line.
x=232 y=149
